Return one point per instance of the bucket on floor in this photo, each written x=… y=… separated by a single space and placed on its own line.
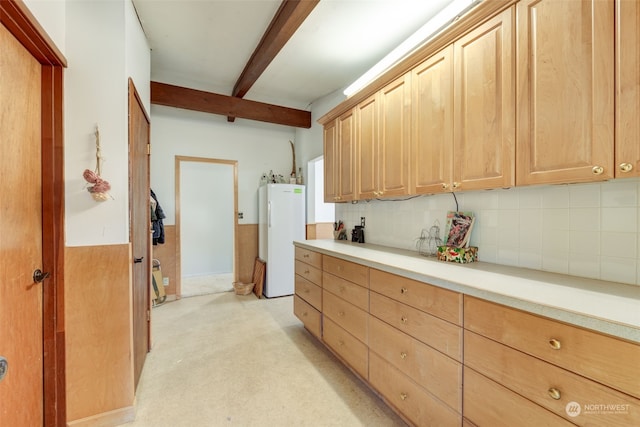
x=243 y=288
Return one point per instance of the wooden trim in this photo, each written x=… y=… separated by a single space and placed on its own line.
x=236 y=257
x=21 y=23
x=482 y=12
x=284 y=24
x=111 y=418
x=208 y=102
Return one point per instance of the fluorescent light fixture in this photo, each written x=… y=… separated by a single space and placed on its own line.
x=432 y=27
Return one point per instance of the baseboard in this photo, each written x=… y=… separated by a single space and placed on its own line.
x=106 y=419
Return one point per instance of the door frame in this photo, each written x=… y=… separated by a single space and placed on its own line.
x=21 y=23
x=234 y=164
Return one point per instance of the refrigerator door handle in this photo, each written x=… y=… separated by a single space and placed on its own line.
x=269 y=213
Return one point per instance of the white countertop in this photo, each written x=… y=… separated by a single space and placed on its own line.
x=608 y=307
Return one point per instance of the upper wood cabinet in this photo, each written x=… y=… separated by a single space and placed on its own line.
x=432 y=124
x=565 y=93
x=346 y=146
x=627 y=149
x=331 y=162
x=367 y=140
x=395 y=137
x=484 y=106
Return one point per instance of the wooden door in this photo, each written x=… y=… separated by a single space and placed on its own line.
x=484 y=112
x=395 y=137
x=565 y=68
x=21 y=321
x=139 y=191
x=367 y=148
x=346 y=151
x=627 y=149
x=432 y=123
x=330 y=162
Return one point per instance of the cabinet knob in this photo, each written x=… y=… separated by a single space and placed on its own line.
x=555 y=344
x=554 y=393
x=403 y=319
x=305 y=256
x=404 y=396
x=403 y=355
x=456 y=184
x=445 y=185
x=341 y=313
x=304 y=314
x=626 y=167
x=340 y=343
x=404 y=290
x=597 y=170
x=306 y=272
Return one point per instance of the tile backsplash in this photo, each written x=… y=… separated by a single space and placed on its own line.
x=588 y=230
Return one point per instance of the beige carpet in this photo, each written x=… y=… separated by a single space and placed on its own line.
x=208 y=284
x=228 y=360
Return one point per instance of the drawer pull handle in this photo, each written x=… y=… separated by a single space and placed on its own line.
x=340 y=343
x=555 y=344
x=342 y=289
x=341 y=313
x=306 y=272
x=403 y=319
x=554 y=393
x=403 y=355
x=404 y=290
x=305 y=256
x=404 y=396
x=306 y=291
x=304 y=314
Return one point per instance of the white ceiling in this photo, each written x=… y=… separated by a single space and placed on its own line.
x=205 y=44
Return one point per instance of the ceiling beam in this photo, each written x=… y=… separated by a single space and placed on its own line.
x=230 y=106
x=290 y=15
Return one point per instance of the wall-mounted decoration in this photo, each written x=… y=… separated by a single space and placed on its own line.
x=100 y=188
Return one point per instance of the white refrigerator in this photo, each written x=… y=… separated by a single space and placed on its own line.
x=281 y=211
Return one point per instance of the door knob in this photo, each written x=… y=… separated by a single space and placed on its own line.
x=39 y=276
x=137 y=260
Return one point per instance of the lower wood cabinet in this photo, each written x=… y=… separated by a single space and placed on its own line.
x=487 y=403
x=412 y=401
x=353 y=351
x=308 y=315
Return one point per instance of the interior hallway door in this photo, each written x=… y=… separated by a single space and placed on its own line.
x=21 y=390
x=139 y=229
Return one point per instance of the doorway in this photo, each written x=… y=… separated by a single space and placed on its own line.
x=206 y=225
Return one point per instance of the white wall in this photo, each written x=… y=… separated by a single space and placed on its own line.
x=103 y=48
x=206 y=218
x=258 y=147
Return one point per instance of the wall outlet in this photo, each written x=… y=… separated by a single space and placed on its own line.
x=165 y=281
x=240 y=215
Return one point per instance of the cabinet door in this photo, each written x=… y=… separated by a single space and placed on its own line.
x=432 y=124
x=565 y=91
x=484 y=116
x=330 y=162
x=628 y=89
x=395 y=137
x=367 y=146
x=346 y=151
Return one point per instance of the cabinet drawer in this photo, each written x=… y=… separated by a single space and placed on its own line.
x=487 y=403
x=355 y=294
x=537 y=380
x=439 y=334
x=351 y=350
x=610 y=361
x=439 y=374
x=309 y=257
x=347 y=315
x=310 y=317
x=309 y=292
x=310 y=273
x=355 y=273
x=420 y=407
x=439 y=302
